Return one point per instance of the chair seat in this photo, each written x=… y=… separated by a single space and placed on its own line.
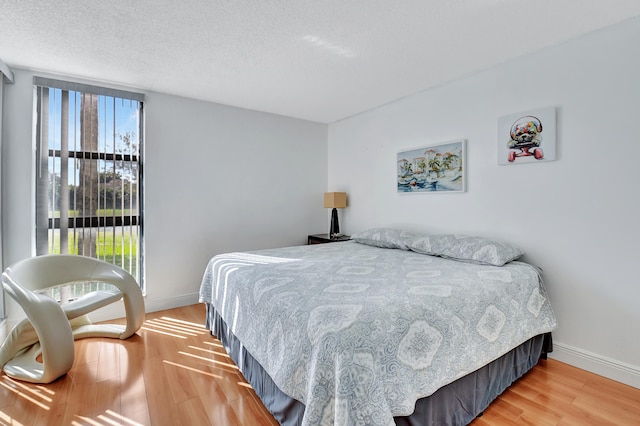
x=90 y=302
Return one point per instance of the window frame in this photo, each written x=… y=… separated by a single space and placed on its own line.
x=44 y=154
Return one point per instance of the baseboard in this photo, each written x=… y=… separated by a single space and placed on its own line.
x=610 y=368
x=171 y=302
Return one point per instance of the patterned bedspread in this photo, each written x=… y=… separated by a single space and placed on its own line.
x=359 y=333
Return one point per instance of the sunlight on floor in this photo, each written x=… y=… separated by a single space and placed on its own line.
x=25 y=391
x=195 y=370
x=173 y=327
x=213 y=361
x=109 y=418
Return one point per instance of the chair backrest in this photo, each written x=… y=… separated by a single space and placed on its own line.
x=41 y=272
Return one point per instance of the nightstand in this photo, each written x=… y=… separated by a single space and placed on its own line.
x=325 y=238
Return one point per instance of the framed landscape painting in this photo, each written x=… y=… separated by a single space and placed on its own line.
x=434 y=168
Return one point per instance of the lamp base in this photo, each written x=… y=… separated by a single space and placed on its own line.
x=335 y=227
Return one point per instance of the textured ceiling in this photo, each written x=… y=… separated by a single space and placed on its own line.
x=311 y=59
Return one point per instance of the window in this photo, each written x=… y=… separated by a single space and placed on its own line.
x=89 y=175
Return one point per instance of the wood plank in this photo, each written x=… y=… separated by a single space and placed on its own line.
x=192 y=412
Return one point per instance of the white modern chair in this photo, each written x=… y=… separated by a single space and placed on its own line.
x=50 y=328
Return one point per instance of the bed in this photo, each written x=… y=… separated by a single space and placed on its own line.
x=392 y=328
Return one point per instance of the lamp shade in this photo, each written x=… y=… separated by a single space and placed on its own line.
x=336 y=200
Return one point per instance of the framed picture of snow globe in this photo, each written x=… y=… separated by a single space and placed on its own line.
x=527 y=137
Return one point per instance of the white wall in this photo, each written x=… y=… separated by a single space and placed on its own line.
x=576 y=217
x=217 y=179
x=6 y=75
x=239 y=180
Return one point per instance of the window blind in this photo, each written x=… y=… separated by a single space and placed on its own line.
x=89 y=143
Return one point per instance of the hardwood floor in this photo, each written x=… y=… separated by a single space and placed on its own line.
x=173 y=372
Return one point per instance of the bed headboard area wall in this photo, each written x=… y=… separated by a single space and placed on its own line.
x=575 y=217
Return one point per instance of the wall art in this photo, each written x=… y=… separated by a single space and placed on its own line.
x=434 y=168
x=527 y=137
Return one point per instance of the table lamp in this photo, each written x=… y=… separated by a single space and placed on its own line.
x=335 y=200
